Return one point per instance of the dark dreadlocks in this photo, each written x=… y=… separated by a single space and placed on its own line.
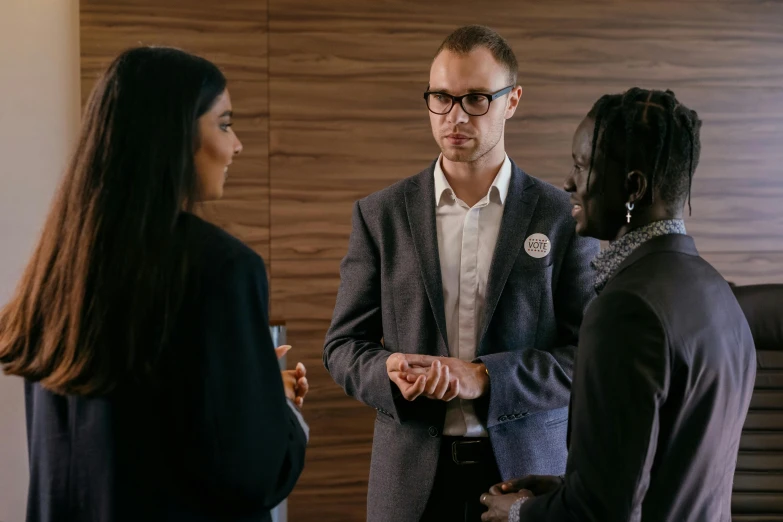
x=652 y=132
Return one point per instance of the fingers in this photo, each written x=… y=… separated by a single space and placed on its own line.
x=396 y=366
x=512 y=486
x=497 y=490
x=409 y=391
x=392 y=364
x=411 y=374
x=405 y=362
x=302 y=387
x=417 y=375
x=530 y=482
x=396 y=363
x=301 y=371
x=433 y=378
x=280 y=351
x=289 y=378
x=443 y=383
x=450 y=385
x=525 y=493
x=517 y=487
x=289 y=384
x=416 y=389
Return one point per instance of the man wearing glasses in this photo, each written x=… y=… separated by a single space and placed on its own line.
x=461 y=296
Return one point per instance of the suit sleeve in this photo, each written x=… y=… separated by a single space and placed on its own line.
x=353 y=351
x=250 y=446
x=621 y=382
x=531 y=380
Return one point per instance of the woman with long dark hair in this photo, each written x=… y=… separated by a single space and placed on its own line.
x=152 y=387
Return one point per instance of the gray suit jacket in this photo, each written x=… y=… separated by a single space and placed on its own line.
x=391 y=300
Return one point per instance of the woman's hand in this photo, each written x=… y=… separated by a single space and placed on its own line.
x=294 y=381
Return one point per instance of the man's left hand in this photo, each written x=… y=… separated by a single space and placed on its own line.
x=498 y=506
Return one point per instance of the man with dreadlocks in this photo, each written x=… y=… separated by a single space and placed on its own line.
x=666 y=364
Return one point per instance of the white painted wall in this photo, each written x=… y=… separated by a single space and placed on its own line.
x=39 y=115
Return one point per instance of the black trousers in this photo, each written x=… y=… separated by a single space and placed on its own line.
x=466 y=469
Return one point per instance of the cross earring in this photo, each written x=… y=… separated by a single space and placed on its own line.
x=629 y=206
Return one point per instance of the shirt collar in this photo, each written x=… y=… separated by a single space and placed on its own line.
x=499 y=185
x=609 y=260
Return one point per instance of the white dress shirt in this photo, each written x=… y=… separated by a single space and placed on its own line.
x=466 y=244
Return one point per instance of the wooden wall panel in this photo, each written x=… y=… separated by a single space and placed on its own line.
x=716 y=43
x=234 y=36
x=347 y=119
x=334 y=484
x=346 y=146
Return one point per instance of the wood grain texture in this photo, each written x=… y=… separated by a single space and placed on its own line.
x=234 y=36
x=751 y=268
x=343 y=147
x=305 y=289
x=333 y=486
x=725 y=43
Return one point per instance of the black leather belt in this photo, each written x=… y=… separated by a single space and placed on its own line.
x=467 y=450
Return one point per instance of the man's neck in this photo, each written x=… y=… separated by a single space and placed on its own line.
x=471 y=180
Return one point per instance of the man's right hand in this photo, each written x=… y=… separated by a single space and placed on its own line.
x=435 y=384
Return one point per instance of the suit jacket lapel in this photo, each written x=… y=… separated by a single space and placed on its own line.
x=517 y=213
x=420 y=207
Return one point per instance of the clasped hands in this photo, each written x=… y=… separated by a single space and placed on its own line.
x=501 y=497
x=437 y=378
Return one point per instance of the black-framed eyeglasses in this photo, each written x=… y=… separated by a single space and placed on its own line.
x=474 y=103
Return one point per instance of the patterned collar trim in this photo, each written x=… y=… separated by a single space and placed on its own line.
x=609 y=260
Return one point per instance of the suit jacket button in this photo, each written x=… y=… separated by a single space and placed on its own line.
x=503 y=418
x=433 y=431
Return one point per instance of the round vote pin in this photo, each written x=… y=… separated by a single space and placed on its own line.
x=538 y=245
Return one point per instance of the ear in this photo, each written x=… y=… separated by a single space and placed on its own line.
x=513 y=101
x=636 y=186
